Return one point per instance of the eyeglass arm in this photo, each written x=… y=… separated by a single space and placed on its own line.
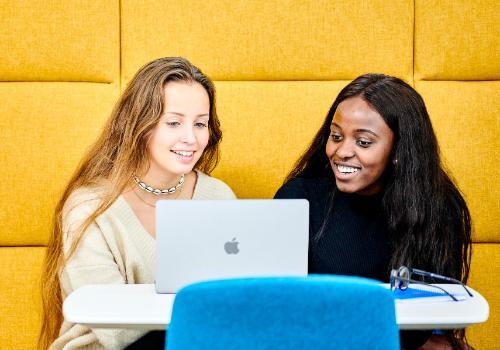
x=436 y=276
x=428 y=284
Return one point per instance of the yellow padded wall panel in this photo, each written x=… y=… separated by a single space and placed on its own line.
x=266 y=126
x=484 y=278
x=57 y=40
x=272 y=40
x=20 y=271
x=45 y=128
x=457 y=40
x=465 y=117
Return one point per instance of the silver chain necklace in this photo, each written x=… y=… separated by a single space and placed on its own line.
x=158 y=191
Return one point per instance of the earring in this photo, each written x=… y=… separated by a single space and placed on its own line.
x=395 y=161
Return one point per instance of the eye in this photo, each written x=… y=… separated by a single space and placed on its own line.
x=200 y=125
x=336 y=137
x=173 y=124
x=364 y=143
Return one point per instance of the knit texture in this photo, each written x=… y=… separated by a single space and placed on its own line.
x=115 y=249
x=354 y=240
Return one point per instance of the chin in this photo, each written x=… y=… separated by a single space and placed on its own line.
x=346 y=188
x=177 y=170
x=364 y=189
x=184 y=171
x=182 y=168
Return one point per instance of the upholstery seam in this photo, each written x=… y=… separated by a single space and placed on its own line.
x=414 y=36
x=120 y=45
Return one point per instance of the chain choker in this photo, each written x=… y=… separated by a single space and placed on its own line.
x=158 y=191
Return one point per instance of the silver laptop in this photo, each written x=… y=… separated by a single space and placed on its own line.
x=199 y=240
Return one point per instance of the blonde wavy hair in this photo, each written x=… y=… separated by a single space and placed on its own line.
x=120 y=151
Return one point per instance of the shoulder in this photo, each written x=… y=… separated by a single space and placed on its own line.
x=295 y=188
x=307 y=188
x=208 y=187
x=79 y=206
x=82 y=200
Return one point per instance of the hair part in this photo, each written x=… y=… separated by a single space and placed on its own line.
x=120 y=151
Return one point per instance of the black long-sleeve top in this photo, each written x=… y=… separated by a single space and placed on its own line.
x=348 y=235
x=354 y=239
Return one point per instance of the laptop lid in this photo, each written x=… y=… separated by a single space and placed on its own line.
x=199 y=240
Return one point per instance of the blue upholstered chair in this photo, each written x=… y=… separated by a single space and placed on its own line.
x=314 y=313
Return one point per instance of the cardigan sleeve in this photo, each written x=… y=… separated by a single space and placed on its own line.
x=91 y=263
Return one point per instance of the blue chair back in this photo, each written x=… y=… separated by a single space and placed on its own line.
x=315 y=312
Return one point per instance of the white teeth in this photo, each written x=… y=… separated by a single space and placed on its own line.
x=183 y=153
x=346 y=169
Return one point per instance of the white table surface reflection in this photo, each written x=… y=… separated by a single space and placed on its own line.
x=138 y=306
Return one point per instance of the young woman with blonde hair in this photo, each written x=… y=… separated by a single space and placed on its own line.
x=160 y=141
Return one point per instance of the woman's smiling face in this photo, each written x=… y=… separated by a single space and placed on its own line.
x=359 y=147
x=182 y=135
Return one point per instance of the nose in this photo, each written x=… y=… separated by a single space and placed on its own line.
x=188 y=135
x=345 y=151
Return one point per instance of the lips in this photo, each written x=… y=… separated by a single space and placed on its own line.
x=183 y=153
x=345 y=171
x=184 y=157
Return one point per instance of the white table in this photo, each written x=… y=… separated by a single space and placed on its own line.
x=138 y=306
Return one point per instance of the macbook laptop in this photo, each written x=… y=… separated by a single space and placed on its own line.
x=199 y=240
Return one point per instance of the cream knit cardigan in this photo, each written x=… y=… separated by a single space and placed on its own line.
x=115 y=249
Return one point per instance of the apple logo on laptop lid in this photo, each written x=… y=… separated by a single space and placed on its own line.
x=231 y=247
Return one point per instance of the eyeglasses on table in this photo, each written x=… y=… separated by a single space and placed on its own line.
x=400 y=279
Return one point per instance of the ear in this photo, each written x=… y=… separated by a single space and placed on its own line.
x=393 y=155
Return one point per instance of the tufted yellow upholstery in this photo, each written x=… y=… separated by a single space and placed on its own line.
x=484 y=277
x=278 y=65
x=20 y=296
x=253 y=117
x=54 y=40
x=467 y=125
x=45 y=129
x=457 y=40
x=271 y=40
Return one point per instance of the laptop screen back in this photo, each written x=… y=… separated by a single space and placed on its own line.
x=199 y=240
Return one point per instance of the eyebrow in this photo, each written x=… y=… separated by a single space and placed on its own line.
x=357 y=130
x=182 y=115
